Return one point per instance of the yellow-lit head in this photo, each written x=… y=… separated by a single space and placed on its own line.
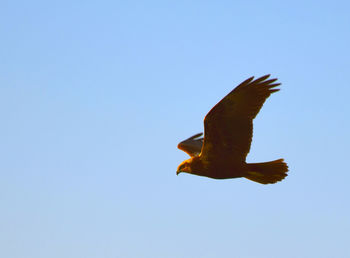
x=185 y=166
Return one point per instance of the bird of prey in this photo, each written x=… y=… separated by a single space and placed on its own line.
x=228 y=131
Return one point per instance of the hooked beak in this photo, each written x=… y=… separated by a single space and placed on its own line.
x=178 y=172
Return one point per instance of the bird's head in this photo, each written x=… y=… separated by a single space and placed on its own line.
x=185 y=166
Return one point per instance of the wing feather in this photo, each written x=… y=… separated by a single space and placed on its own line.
x=193 y=145
x=228 y=127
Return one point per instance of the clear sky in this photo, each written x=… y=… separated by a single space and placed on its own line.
x=95 y=96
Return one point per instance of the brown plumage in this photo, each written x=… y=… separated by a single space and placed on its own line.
x=228 y=130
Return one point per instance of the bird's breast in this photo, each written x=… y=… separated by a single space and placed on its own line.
x=220 y=169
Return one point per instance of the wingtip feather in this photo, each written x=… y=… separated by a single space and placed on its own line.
x=248 y=80
x=262 y=78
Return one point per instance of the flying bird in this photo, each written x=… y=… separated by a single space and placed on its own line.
x=228 y=131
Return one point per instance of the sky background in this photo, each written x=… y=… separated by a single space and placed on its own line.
x=95 y=96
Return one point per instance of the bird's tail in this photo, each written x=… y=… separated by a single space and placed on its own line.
x=267 y=172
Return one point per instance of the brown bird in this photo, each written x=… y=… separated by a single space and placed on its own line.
x=228 y=130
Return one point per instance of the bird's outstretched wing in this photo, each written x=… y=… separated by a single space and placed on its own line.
x=193 y=145
x=228 y=126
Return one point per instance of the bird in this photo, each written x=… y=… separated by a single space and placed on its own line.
x=228 y=131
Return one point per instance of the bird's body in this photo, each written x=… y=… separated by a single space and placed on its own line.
x=218 y=169
x=228 y=130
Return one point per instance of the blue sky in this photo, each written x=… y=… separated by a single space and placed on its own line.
x=95 y=96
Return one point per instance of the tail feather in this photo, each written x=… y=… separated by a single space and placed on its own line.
x=267 y=172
